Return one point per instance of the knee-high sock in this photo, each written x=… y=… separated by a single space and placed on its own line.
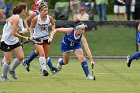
x=14 y=65
x=3 y=60
x=85 y=67
x=134 y=56
x=49 y=63
x=31 y=57
x=42 y=61
x=60 y=60
x=5 y=69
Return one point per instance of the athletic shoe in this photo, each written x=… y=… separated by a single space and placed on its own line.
x=13 y=74
x=128 y=61
x=59 y=67
x=27 y=66
x=4 y=78
x=89 y=77
x=54 y=70
x=45 y=73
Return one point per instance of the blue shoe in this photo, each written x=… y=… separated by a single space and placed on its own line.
x=26 y=66
x=4 y=79
x=13 y=74
x=128 y=61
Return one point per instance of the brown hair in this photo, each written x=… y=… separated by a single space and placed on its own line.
x=18 y=8
x=42 y=6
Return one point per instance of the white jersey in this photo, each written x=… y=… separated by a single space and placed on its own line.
x=41 y=27
x=7 y=36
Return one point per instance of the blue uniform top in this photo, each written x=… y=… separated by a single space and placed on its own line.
x=70 y=42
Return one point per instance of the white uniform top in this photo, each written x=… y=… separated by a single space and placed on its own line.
x=7 y=36
x=41 y=27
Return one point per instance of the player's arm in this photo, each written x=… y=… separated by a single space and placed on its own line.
x=30 y=17
x=33 y=23
x=64 y=30
x=86 y=47
x=15 y=33
x=52 y=22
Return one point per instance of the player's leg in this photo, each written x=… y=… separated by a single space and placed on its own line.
x=19 y=58
x=49 y=62
x=42 y=58
x=50 y=65
x=6 y=66
x=132 y=57
x=82 y=59
x=63 y=61
x=3 y=60
x=31 y=57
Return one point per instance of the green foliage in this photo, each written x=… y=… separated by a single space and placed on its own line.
x=51 y=4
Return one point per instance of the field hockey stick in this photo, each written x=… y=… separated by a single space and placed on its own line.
x=93 y=74
x=24 y=42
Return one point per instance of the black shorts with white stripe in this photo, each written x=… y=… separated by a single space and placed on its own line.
x=7 y=48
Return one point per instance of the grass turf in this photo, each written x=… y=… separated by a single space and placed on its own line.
x=112 y=76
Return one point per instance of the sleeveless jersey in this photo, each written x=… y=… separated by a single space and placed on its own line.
x=7 y=36
x=41 y=27
x=70 y=42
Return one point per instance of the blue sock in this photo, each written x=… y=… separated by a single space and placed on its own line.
x=134 y=56
x=138 y=37
x=49 y=63
x=31 y=57
x=85 y=67
x=60 y=60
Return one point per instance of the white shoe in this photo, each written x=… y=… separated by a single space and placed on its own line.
x=59 y=67
x=128 y=61
x=4 y=79
x=128 y=57
x=89 y=77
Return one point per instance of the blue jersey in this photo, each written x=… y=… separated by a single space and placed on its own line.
x=70 y=42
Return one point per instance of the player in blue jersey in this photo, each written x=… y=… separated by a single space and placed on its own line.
x=71 y=42
x=34 y=54
x=136 y=54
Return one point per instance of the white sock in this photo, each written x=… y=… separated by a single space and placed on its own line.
x=42 y=61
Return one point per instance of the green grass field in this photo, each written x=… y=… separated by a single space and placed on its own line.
x=112 y=76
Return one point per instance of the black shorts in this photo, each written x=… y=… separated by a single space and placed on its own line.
x=7 y=48
x=43 y=41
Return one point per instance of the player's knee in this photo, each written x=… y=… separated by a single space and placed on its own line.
x=21 y=58
x=8 y=60
x=41 y=54
x=81 y=59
